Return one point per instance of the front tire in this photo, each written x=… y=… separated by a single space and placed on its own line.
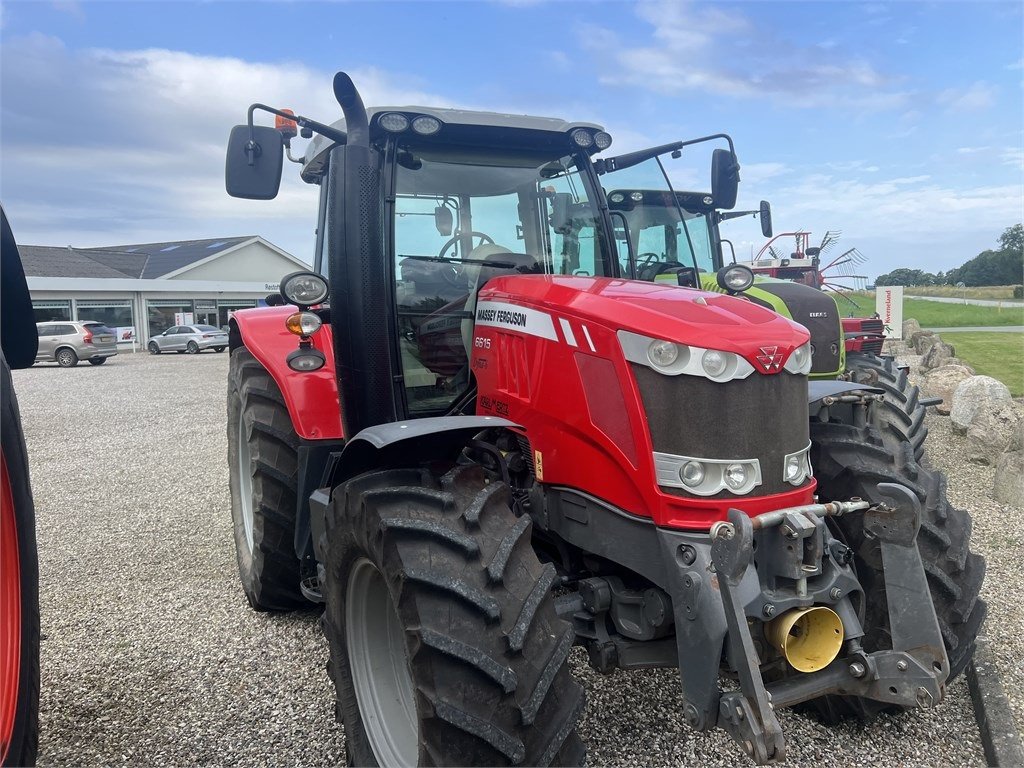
x=19 y=592
x=97 y=360
x=66 y=358
x=850 y=460
x=154 y=348
x=434 y=581
x=263 y=476
x=901 y=413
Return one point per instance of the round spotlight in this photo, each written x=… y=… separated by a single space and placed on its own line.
x=303 y=323
x=692 y=473
x=662 y=353
x=582 y=138
x=602 y=140
x=426 y=125
x=735 y=476
x=617 y=197
x=714 y=363
x=394 y=122
x=708 y=200
x=306 y=359
x=304 y=289
x=636 y=196
x=735 y=278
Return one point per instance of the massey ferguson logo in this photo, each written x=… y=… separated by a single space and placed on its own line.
x=770 y=359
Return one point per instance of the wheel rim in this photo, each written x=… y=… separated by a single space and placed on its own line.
x=64 y=357
x=380 y=668
x=10 y=611
x=245 y=483
x=153 y=349
x=192 y=348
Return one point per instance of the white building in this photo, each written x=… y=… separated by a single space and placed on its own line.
x=143 y=287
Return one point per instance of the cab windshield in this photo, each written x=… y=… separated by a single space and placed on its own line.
x=463 y=217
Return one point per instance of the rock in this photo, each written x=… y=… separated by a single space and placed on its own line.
x=938 y=355
x=993 y=432
x=922 y=341
x=973 y=395
x=1008 y=487
x=942 y=382
x=910 y=327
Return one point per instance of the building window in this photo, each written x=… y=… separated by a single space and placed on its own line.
x=113 y=313
x=226 y=308
x=45 y=311
x=161 y=314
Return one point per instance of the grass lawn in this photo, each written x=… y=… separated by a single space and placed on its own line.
x=999 y=355
x=935 y=314
x=978 y=292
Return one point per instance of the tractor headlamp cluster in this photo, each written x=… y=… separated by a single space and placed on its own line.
x=674 y=359
x=585 y=139
x=800 y=361
x=398 y=122
x=304 y=290
x=706 y=477
x=796 y=467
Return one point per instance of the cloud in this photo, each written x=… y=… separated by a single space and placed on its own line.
x=112 y=147
x=694 y=47
x=978 y=95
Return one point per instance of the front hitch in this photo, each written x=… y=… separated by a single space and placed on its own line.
x=801 y=584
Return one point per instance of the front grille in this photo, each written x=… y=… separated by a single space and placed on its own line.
x=759 y=417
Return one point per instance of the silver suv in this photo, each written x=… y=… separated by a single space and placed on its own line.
x=68 y=341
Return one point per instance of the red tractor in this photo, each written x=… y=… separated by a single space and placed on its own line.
x=477 y=445
x=19 y=565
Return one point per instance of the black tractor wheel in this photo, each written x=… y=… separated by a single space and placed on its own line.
x=850 y=461
x=901 y=414
x=445 y=646
x=154 y=348
x=97 y=360
x=192 y=348
x=263 y=462
x=19 y=592
x=66 y=357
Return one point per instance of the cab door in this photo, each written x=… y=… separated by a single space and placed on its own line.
x=47 y=341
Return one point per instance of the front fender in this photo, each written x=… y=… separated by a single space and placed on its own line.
x=311 y=397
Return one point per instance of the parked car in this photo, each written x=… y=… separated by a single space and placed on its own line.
x=68 y=341
x=189 y=338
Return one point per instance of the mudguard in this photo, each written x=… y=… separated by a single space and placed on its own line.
x=312 y=396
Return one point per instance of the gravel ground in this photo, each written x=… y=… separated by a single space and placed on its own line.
x=151 y=654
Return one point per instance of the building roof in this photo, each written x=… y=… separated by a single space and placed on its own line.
x=143 y=260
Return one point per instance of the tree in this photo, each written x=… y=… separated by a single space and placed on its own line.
x=1012 y=239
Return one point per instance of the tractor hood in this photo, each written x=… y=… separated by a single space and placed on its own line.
x=682 y=315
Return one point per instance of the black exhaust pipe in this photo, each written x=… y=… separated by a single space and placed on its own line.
x=360 y=280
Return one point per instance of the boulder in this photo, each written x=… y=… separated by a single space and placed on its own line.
x=974 y=395
x=939 y=354
x=910 y=327
x=1008 y=487
x=922 y=341
x=942 y=382
x=993 y=432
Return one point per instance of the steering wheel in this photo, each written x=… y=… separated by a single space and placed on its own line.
x=452 y=273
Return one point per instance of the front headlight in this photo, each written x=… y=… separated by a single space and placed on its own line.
x=796 y=467
x=800 y=360
x=707 y=477
x=672 y=359
x=662 y=353
x=735 y=278
x=304 y=289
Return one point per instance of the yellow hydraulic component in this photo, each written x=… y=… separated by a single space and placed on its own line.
x=809 y=638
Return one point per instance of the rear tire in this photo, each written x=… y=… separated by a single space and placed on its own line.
x=18 y=746
x=97 y=360
x=263 y=462
x=66 y=358
x=901 y=413
x=477 y=634
x=850 y=461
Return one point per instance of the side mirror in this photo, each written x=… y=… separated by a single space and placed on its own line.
x=443 y=220
x=725 y=178
x=561 y=219
x=766 y=218
x=253 y=168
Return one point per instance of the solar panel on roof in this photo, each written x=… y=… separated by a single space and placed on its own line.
x=169 y=248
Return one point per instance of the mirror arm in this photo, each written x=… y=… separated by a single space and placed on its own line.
x=303 y=122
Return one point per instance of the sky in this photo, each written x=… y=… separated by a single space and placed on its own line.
x=900 y=124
